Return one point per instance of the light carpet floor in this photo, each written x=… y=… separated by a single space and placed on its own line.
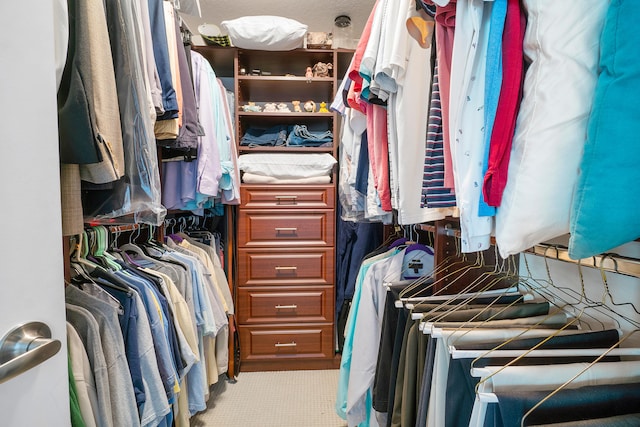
x=273 y=399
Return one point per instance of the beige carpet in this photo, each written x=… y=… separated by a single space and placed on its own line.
x=273 y=399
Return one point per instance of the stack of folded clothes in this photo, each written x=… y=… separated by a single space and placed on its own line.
x=286 y=168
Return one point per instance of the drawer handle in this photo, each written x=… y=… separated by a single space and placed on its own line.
x=292 y=229
x=293 y=267
x=290 y=198
x=285 y=344
x=282 y=307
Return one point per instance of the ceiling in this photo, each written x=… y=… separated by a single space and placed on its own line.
x=318 y=15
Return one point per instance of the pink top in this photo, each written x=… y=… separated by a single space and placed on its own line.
x=378 y=145
x=354 y=69
x=445 y=28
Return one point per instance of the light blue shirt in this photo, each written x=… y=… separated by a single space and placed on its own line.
x=493 y=84
x=158 y=331
x=196 y=377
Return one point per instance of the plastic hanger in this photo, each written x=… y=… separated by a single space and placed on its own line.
x=80 y=249
x=100 y=251
x=410 y=292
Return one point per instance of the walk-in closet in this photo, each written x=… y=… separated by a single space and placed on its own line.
x=349 y=213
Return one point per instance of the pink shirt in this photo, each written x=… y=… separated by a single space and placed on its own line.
x=378 y=145
x=359 y=52
x=445 y=28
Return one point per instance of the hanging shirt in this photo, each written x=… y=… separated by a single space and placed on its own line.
x=445 y=32
x=82 y=377
x=345 y=361
x=495 y=178
x=410 y=132
x=434 y=192
x=161 y=56
x=366 y=335
x=466 y=127
x=89 y=331
x=493 y=83
x=229 y=157
x=164 y=354
x=123 y=402
x=128 y=319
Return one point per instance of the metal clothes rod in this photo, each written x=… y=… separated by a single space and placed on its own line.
x=613 y=263
x=609 y=262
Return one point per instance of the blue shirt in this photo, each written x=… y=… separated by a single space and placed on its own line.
x=167 y=369
x=493 y=84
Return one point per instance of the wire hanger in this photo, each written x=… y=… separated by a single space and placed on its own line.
x=611 y=349
x=606 y=283
x=547 y=289
x=495 y=352
x=499 y=273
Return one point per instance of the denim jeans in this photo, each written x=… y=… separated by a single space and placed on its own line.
x=276 y=135
x=300 y=136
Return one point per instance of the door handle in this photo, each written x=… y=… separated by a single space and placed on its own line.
x=25 y=347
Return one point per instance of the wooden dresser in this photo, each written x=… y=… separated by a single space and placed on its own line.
x=285 y=294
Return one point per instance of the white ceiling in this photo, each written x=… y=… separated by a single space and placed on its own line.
x=318 y=15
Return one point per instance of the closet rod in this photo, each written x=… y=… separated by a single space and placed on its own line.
x=609 y=262
x=124 y=227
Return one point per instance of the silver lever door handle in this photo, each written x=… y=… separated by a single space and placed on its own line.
x=25 y=347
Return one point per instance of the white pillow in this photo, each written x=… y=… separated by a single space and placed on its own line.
x=265 y=32
x=562 y=43
x=287 y=166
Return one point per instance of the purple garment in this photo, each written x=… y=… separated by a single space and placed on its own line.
x=178 y=183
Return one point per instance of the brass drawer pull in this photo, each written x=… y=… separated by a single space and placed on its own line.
x=286 y=198
x=285 y=344
x=293 y=267
x=281 y=307
x=292 y=229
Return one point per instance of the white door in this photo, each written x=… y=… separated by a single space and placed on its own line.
x=31 y=262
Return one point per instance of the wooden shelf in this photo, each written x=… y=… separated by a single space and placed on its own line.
x=291 y=114
x=291 y=79
x=286 y=149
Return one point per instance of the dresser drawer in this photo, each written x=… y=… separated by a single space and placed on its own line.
x=279 y=266
x=286 y=342
x=259 y=228
x=285 y=304
x=288 y=196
